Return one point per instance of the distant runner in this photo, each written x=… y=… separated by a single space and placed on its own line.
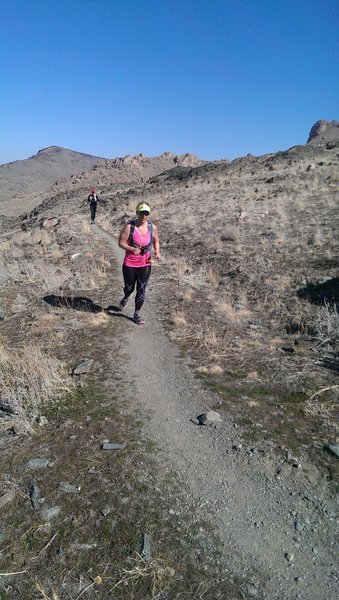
x=93 y=200
x=137 y=238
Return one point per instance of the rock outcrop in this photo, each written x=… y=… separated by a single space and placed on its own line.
x=324 y=131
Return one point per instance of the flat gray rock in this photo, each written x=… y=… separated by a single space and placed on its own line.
x=68 y=487
x=112 y=446
x=209 y=418
x=83 y=367
x=49 y=513
x=37 y=463
x=333 y=449
x=7 y=497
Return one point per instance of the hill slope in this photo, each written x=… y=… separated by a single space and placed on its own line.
x=32 y=175
x=24 y=184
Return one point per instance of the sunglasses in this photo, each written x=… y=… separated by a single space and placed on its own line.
x=143 y=213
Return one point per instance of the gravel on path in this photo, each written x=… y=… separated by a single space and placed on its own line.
x=253 y=495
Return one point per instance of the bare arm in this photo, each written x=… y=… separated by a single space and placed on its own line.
x=123 y=240
x=156 y=242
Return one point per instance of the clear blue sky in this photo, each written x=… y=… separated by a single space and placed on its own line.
x=220 y=78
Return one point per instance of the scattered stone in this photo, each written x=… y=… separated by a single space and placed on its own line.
x=2 y=315
x=288 y=349
x=37 y=463
x=112 y=446
x=333 y=448
x=171 y=511
x=49 y=223
x=49 y=513
x=289 y=556
x=83 y=367
x=195 y=420
x=81 y=547
x=20 y=427
x=34 y=494
x=239 y=306
x=250 y=589
x=75 y=255
x=210 y=418
x=105 y=511
x=41 y=420
x=7 y=497
x=237 y=447
x=145 y=551
x=9 y=405
x=68 y=487
x=298 y=526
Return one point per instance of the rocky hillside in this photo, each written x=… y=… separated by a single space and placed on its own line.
x=25 y=183
x=23 y=178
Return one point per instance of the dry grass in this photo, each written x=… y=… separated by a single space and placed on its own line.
x=213 y=277
x=326 y=322
x=154 y=573
x=315 y=405
x=187 y=295
x=179 y=319
x=30 y=377
x=44 y=595
x=230 y=234
x=232 y=314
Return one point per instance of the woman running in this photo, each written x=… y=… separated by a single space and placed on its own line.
x=137 y=238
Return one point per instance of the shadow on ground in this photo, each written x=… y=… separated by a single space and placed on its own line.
x=83 y=304
x=76 y=302
x=319 y=293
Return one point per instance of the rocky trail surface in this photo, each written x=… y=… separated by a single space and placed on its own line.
x=272 y=513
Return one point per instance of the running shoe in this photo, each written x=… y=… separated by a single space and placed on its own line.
x=123 y=303
x=138 y=320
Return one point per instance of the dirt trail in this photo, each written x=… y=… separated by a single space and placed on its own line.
x=272 y=511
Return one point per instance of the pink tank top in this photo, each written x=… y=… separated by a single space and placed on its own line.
x=139 y=260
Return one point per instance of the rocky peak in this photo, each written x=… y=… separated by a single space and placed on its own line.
x=327 y=130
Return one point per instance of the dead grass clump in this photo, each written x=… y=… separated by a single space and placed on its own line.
x=326 y=322
x=209 y=340
x=45 y=278
x=153 y=573
x=187 y=295
x=233 y=314
x=97 y=319
x=43 y=593
x=179 y=319
x=213 y=277
x=30 y=377
x=211 y=369
x=230 y=234
x=40 y=236
x=19 y=304
x=315 y=405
